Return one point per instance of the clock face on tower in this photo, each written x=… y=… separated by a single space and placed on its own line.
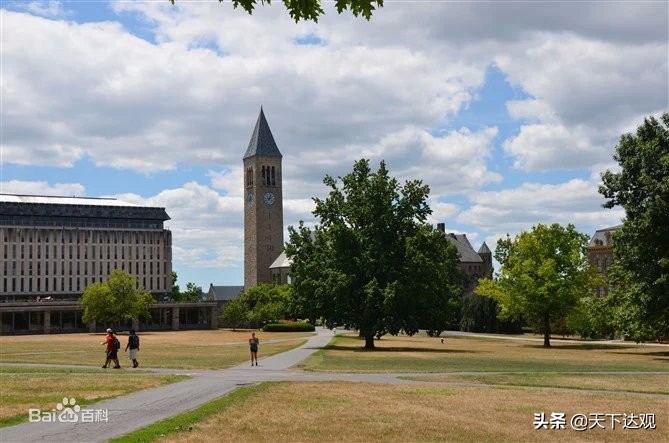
x=269 y=199
x=249 y=198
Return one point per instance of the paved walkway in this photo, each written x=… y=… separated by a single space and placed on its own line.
x=142 y=408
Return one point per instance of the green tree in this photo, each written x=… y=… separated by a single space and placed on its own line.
x=258 y=306
x=176 y=291
x=372 y=263
x=311 y=9
x=480 y=314
x=544 y=273
x=640 y=272
x=115 y=300
x=235 y=314
x=192 y=294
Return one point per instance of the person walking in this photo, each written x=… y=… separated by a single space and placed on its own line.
x=111 y=349
x=133 y=344
x=253 y=345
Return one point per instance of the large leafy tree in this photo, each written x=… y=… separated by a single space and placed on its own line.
x=312 y=9
x=372 y=263
x=543 y=276
x=115 y=300
x=640 y=273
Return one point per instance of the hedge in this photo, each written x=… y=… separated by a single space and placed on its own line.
x=289 y=327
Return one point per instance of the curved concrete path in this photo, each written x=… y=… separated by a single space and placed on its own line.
x=142 y=408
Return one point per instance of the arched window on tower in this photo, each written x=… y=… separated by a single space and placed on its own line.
x=273 y=177
x=251 y=176
x=263 y=175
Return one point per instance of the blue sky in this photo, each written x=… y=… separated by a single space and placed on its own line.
x=508 y=111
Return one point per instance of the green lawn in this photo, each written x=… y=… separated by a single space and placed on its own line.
x=23 y=388
x=464 y=354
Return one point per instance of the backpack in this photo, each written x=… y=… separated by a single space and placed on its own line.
x=117 y=344
x=134 y=341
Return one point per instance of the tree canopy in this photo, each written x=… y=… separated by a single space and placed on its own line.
x=174 y=293
x=312 y=9
x=543 y=276
x=372 y=263
x=192 y=294
x=640 y=272
x=258 y=306
x=115 y=300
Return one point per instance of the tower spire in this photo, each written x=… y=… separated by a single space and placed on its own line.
x=262 y=141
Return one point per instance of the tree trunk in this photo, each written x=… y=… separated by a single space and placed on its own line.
x=547 y=331
x=369 y=341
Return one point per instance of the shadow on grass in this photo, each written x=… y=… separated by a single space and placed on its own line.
x=659 y=355
x=581 y=346
x=655 y=354
x=396 y=349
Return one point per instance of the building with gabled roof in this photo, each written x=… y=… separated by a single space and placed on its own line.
x=600 y=253
x=473 y=264
x=223 y=294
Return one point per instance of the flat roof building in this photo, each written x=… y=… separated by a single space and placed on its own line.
x=57 y=246
x=52 y=248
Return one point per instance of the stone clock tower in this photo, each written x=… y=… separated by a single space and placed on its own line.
x=263 y=205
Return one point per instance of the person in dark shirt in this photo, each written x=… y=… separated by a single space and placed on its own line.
x=133 y=344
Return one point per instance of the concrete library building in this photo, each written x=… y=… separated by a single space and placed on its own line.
x=52 y=248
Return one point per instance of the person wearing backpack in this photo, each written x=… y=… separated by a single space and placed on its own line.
x=112 y=346
x=133 y=344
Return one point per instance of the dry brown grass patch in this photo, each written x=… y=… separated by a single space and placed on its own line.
x=210 y=349
x=338 y=411
x=23 y=390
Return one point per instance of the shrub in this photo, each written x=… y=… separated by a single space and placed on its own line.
x=289 y=327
